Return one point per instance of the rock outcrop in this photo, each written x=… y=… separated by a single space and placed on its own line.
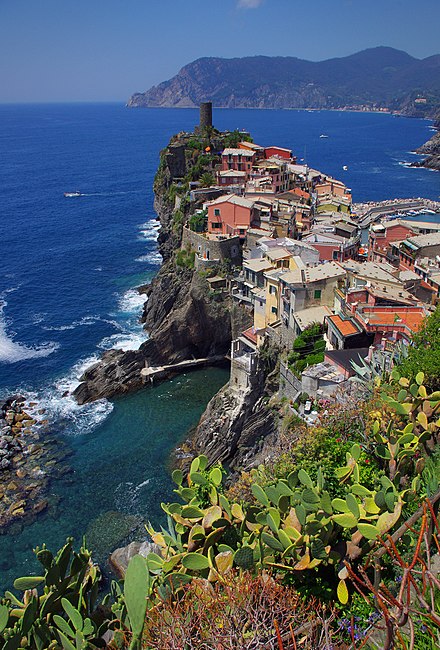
x=236 y=427
x=120 y=558
x=432 y=151
x=182 y=319
x=28 y=459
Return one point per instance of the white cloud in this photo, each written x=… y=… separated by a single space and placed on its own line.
x=249 y=4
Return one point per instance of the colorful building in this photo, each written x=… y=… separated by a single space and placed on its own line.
x=230 y=215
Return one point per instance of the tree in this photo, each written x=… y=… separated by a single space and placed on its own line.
x=424 y=352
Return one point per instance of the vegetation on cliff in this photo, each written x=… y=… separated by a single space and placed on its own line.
x=332 y=543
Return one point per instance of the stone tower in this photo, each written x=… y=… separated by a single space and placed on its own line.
x=205 y=114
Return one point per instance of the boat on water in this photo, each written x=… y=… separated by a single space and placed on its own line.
x=345 y=167
x=323 y=135
x=70 y=195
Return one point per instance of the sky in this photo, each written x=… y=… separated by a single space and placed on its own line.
x=105 y=50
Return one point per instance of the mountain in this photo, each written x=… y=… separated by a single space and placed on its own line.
x=376 y=77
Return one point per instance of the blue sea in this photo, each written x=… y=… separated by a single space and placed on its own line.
x=69 y=268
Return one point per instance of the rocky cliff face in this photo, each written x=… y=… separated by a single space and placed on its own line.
x=432 y=149
x=236 y=427
x=182 y=320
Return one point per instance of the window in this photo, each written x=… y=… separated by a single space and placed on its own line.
x=216 y=212
x=317 y=295
x=274 y=310
x=216 y=224
x=272 y=290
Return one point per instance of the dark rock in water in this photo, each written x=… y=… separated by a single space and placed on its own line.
x=432 y=149
x=120 y=558
x=183 y=323
x=117 y=372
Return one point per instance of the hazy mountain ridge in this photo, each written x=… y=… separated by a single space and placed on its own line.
x=380 y=76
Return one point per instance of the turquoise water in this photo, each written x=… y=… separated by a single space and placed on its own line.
x=68 y=268
x=119 y=472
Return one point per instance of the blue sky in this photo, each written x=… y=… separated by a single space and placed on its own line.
x=104 y=50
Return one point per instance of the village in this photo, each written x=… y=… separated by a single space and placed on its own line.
x=328 y=281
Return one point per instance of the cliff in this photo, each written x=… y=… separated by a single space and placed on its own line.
x=377 y=77
x=432 y=151
x=182 y=319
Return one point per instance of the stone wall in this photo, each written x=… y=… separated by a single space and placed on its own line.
x=209 y=249
x=290 y=386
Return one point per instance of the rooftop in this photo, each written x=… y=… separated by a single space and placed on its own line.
x=306 y=317
x=422 y=241
x=411 y=318
x=324 y=272
x=344 y=357
x=233 y=173
x=345 y=326
x=257 y=265
x=238 y=152
x=232 y=198
x=252 y=145
x=275 y=254
x=380 y=271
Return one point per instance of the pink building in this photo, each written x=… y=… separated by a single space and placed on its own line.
x=382 y=235
x=230 y=215
x=238 y=159
x=231 y=177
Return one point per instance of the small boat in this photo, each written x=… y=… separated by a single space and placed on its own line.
x=323 y=135
x=70 y=195
x=345 y=167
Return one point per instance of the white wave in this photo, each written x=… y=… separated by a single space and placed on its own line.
x=124 y=341
x=151 y=258
x=154 y=258
x=61 y=408
x=11 y=351
x=141 y=485
x=131 y=302
x=86 y=320
x=149 y=231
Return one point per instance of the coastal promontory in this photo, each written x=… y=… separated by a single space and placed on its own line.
x=380 y=78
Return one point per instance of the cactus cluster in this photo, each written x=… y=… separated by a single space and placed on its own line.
x=418 y=412
x=56 y=609
x=293 y=525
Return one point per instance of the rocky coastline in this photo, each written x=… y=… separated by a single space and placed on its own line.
x=28 y=460
x=182 y=320
x=431 y=149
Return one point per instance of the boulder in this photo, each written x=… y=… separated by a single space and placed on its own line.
x=120 y=558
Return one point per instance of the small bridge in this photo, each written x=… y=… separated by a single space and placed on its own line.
x=150 y=373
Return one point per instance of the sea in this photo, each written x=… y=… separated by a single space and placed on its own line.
x=69 y=272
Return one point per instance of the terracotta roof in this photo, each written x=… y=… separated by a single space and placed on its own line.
x=250 y=334
x=409 y=318
x=345 y=327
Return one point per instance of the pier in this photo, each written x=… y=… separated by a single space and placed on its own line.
x=368 y=213
x=150 y=373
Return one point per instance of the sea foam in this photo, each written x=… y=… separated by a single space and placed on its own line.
x=11 y=351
